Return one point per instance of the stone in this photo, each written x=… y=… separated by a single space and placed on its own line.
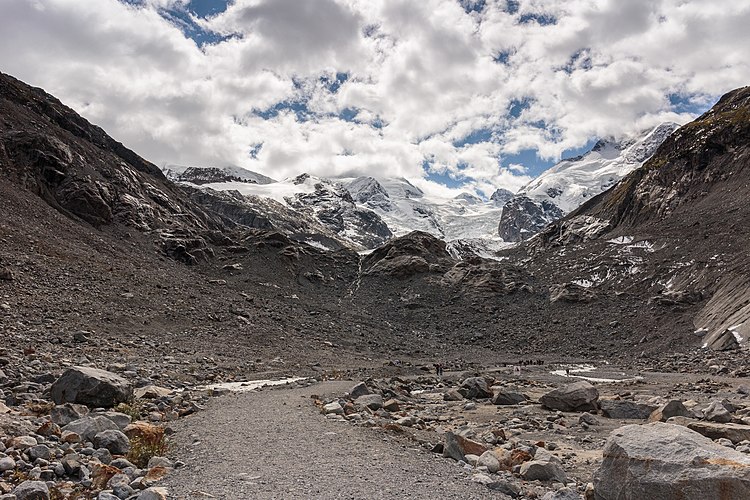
x=122 y=420
x=358 y=390
x=154 y=493
x=21 y=442
x=544 y=467
x=70 y=437
x=562 y=494
x=88 y=427
x=669 y=462
x=371 y=401
x=625 y=410
x=64 y=414
x=7 y=463
x=106 y=495
x=457 y=447
x=672 y=409
x=588 y=419
x=32 y=490
x=113 y=440
x=717 y=412
x=90 y=386
x=39 y=451
x=475 y=388
x=160 y=462
x=333 y=408
x=502 y=398
x=151 y=392
x=392 y=405
x=489 y=460
x=578 y=396
x=49 y=428
x=71 y=463
x=452 y=395
x=736 y=433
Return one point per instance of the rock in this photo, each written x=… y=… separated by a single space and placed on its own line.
x=392 y=405
x=457 y=447
x=717 y=412
x=160 y=462
x=736 y=433
x=570 y=292
x=371 y=401
x=70 y=437
x=743 y=389
x=489 y=460
x=105 y=495
x=672 y=409
x=71 y=463
x=21 y=442
x=32 y=490
x=333 y=408
x=626 y=410
x=452 y=395
x=121 y=420
x=475 y=388
x=562 y=494
x=88 y=427
x=154 y=493
x=49 y=428
x=114 y=441
x=508 y=398
x=358 y=390
x=544 y=467
x=62 y=415
x=7 y=463
x=659 y=461
x=151 y=392
x=39 y=451
x=578 y=396
x=90 y=386
x=588 y=419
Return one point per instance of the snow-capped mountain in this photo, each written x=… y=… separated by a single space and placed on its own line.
x=206 y=175
x=573 y=181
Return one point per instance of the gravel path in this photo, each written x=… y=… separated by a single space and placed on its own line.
x=275 y=444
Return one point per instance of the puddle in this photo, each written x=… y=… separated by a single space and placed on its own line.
x=252 y=385
x=576 y=370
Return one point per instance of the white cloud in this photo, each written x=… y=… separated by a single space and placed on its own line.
x=420 y=77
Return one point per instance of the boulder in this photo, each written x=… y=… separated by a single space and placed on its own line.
x=672 y=409
x=489 y=460
x=371 y=401
x=453 y=395
x=31 y=490
x=736 y=433
x=88 y=427
x=717 y=412
x=333 y=408
x=359 y=390
x=659 y=461
x=113 y=440
x=457 y=447
x=578 y=396
x=562 y=494
x=64 y=414
x=475 y=388
x=626 y=410
x=90 y=386
x=392 y=405
x=544 y=467
x=151 y=392
x=508 y=398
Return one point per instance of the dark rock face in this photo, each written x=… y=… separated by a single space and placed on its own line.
x=76 y=168
x=501 y=196
x=90 y=386
x=522 y=218
x=414 y=253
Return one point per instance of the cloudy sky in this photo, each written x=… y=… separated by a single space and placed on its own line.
x=469 y=94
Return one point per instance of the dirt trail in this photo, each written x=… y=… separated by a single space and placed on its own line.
x=275 y=444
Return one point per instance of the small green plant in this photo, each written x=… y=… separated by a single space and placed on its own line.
x=132 y=408
x=148 y=445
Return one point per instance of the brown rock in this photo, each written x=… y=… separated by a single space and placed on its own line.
x=734 y=432
x=457 y=447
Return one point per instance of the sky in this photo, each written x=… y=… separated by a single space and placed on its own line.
x=459 y=95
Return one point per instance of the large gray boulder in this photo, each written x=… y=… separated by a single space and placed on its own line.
x=91 y=387
x=578 y=396
x=475 y=388
x=736 y=433
x=114 y=441
x=627 y=410
x=89 y=427
x=544 y=467
x=659 y=461
x=503 y=397
x=674 y=408
x=32 y=490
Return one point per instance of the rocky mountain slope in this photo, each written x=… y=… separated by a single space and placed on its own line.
x=573 y=181
x=672 y=234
